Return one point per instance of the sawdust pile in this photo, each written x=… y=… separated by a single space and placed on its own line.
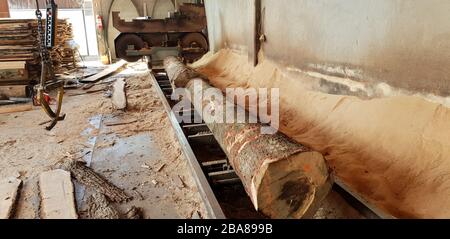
x=393 y=151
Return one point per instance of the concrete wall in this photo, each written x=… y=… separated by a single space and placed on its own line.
x=403 y=43
x=228 y=23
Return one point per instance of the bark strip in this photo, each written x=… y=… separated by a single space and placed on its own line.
x=89 y=177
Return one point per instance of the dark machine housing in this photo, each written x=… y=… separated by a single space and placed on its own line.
x=184 y=30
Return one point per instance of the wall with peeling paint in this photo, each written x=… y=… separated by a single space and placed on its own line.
x=404 y=44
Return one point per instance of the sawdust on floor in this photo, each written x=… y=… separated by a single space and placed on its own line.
x=27 y=149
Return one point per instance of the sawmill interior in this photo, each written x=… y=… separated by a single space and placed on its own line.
x=224 y=109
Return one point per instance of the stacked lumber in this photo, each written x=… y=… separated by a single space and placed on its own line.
x=19 y=43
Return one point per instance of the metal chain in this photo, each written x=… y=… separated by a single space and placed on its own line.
x=43 y=51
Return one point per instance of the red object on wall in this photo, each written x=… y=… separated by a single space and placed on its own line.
x=99 y=22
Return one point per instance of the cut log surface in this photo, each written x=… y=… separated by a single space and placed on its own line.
x=9 y=191
x=57 y=195
x=119 y=98
x=283 y=179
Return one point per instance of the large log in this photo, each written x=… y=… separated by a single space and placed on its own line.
x=283 y=179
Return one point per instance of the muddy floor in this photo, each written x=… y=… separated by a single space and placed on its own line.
x=135 y=150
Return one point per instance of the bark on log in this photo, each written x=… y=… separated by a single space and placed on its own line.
x=283 y=179
x=101 y=208
x=89 y=177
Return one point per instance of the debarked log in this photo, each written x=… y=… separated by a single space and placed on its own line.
x=283 y=179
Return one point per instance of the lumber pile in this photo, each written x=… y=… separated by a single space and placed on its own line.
x=19 y=51
x=284 y=179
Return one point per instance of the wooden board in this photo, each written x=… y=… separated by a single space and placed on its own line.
x=106 y=72
x=57 y=195
x=18 y=91
x=15 y=108
x=9 y=191
x=119 y=98
x=9 y=65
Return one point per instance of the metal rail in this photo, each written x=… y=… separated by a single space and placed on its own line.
x=209 y=199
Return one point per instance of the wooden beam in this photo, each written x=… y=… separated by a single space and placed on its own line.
x=15 y=108
x=12 y=65
x=9 y=191
x=57 y=195
x=18 y=91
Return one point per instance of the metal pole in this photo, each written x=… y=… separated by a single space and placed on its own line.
x=85 y=28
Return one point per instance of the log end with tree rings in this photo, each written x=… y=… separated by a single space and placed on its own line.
x=293 y=187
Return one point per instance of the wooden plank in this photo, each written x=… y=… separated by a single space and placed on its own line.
x=57 y=195
x=9 y=191
x=12 y=65
x=13 y=91
x=106 y=72
x=15 y=108
x=119 y=98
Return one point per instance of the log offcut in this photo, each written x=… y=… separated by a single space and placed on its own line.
x=283 y=179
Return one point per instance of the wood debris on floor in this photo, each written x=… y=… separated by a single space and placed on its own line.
x=101 y=151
